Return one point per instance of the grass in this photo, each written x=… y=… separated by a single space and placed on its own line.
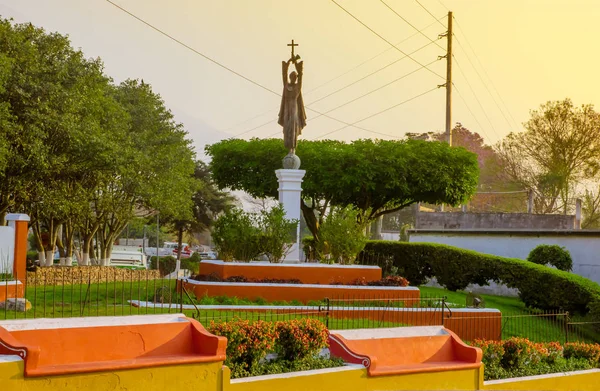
x=111 y=299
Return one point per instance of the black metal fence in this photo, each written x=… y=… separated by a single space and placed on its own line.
x=62 y=292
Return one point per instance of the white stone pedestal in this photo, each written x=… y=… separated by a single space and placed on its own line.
x=290 y=190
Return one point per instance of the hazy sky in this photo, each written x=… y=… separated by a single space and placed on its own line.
x=531 y=50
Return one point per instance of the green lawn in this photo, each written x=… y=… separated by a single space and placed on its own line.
x=109 y=299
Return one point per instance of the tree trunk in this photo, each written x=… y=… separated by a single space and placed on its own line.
x=311 y=220
x=42 y=258
x=69 y=242
x=39 y=244
x=53 y=227
x=179 y=251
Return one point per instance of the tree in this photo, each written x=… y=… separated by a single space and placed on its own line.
x=156 y=163
x=559 y=148
x=591 y=210
x=207 y=203
x=376 y=177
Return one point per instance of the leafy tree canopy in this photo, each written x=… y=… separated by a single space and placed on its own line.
x=374 y=176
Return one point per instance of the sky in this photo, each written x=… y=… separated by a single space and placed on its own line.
x=509 y=57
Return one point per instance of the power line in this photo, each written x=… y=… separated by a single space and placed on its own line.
x=380 y=87
x=371 y=74
x=483 y=82
x=411 y=25
x=385 y=40
x=378 y=113
x=432 y=15
x=484 y=71
x=426 y=10
x=339 y=76
x=193 y=50
x=470 y=111
x=475 y=96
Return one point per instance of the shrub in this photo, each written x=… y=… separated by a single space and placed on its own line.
x=236 y=236
x=454 y=268
x=195 y=257
x=166 y=265
x=278 y=234
x=245 y=236
x=578 y=350
x=247 y=342
x=550 y=352
x=518 y=353
x=518 y=357
x=302 y=338
x=557 y=256
x=341 y=236
x=297 y=343
x=493 y=351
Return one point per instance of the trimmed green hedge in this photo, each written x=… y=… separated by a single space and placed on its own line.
x=454 y=268
x=551 y=254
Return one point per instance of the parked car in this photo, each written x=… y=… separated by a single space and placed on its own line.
x=208 y=255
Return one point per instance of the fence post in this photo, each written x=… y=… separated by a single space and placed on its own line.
x=327 y=313
x=567 y=327
x=443 y=305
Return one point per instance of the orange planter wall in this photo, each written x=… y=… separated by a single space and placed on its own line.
x=306 y=273
x=115 y=345
x=299 y=292
x=467 y=324
x=11 y=290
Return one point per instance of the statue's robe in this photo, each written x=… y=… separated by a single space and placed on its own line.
x=292 y=115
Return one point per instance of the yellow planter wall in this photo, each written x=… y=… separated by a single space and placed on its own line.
x=580 y=381
x=355 y=378
x=205 y=377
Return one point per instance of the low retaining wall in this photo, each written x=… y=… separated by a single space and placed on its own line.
x=468 y=323
x=303 y=293
x=307 y=273
x=69 y=275
x=11 y=290
x=568 y=381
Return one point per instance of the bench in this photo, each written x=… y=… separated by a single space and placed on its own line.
x=404 y=350
x=82 y=345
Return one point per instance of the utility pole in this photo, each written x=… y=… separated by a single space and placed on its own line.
x=449 y=81
x=448 y=85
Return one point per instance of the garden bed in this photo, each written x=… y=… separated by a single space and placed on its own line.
x=303 y=293
x=265 y=348
x=306 y=273
x=519 y=357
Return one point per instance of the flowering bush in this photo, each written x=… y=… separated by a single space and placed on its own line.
x=300 y=338
x=519 y=352
x=247 y=342
x=493 y=351
x=297 y=343
x=585 y=351
x=518 y=357
x=550 y=352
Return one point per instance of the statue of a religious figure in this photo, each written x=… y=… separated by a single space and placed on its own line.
x=292 y=115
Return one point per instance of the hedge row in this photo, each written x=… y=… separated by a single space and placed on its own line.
x=454 y=268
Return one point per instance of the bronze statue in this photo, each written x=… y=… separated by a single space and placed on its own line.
x=292 y=115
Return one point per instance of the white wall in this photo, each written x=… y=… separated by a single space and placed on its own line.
x=583 y=246
x=7 y=249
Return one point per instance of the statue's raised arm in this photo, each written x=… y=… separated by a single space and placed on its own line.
x=285 y=65
x=300 y=69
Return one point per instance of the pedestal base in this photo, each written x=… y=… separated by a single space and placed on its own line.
x=290 y=191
